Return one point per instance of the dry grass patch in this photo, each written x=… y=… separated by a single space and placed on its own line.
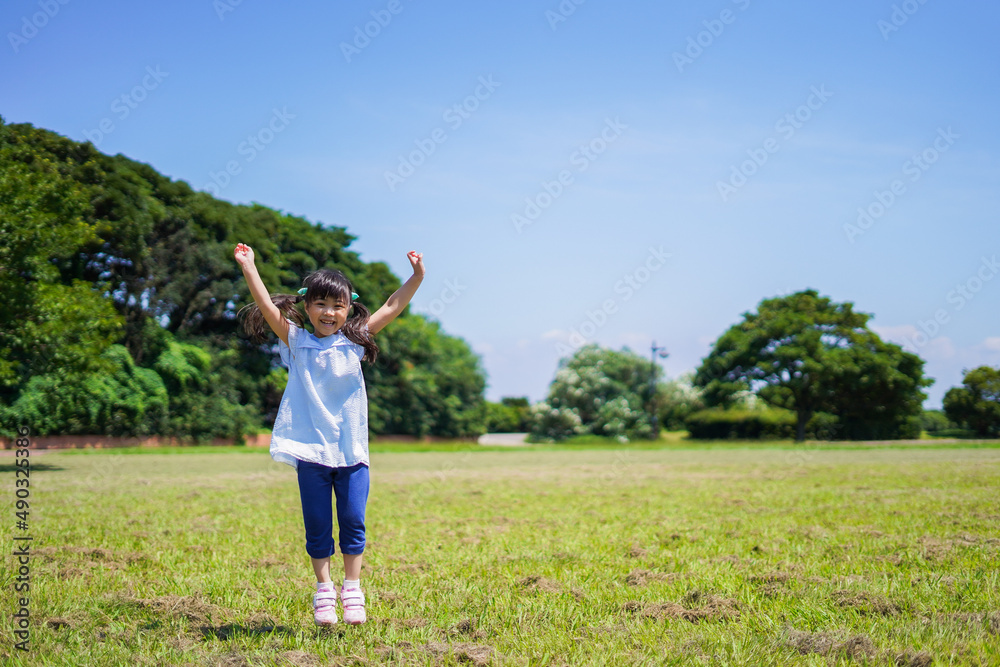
x=230 y=659
x=777 y=577
x=479 y=655
x=856 y=647
x=301 y=659
x=989 y=621
x=191 y=607
x=466 y=627
x=535 y=583
x=866 y=603
x=94 y=556
x=701 y=607
x=644 y=577
x=58 y=622
x=771 y=584
x=636 y=551
x=913 y=658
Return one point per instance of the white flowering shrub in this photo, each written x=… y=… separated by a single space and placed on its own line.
x=677 y=399
x=550 y=424
x=597 y=391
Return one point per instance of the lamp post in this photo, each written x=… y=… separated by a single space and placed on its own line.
x=654 y=351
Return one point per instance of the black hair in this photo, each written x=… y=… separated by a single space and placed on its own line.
x=320 y=284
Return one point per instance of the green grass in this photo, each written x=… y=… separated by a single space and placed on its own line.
x=680 y=553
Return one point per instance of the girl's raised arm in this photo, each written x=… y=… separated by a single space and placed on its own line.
x=273 y=316
x=395 y=304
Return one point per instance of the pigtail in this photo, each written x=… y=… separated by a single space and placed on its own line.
x=257 y=328
x=356 y=331
x=319 y=284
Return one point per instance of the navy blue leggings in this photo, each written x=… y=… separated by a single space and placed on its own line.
x=317 y=485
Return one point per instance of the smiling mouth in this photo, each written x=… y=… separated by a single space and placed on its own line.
x=328 y=323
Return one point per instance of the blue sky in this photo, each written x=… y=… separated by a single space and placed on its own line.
x=600 y=172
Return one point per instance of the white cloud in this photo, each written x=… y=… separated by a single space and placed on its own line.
x=990 y=345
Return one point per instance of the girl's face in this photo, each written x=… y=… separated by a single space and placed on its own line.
x=327 y=315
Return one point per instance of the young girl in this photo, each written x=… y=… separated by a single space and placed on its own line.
x=322 y=425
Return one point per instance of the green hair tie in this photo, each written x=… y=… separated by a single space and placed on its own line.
x=354 y=295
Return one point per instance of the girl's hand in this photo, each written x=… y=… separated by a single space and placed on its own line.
x=417 y=262
x=396 y=303
x=244 y=255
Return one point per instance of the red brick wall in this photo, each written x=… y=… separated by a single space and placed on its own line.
x=105 y=442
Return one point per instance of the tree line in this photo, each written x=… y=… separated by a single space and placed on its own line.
x=799 y=367
x=118 y=302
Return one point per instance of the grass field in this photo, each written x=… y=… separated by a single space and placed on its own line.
x=685 y=554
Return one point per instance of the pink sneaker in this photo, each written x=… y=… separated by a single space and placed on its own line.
x=325 y=607
x=353 y=601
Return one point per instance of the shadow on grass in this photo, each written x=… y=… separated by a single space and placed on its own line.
x=35 y=467
x=233 y=631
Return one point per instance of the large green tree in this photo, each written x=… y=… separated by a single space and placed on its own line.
x=127 y=400
x=99 y=250
x=976 y=404
x=49 y=322
x=805 y=353
x=598 y=391
x=425 y=382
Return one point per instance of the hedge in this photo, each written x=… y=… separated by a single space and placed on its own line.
x=770 y=424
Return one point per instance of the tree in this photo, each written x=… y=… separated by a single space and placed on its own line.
x=127 y=400
x=804 y=353
x=425 y=382
x=510 y=415
x=934 y=421
x=597 y=391
x=678 y=399
x=42 y=313
x=976 y=404
x=99 y=251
